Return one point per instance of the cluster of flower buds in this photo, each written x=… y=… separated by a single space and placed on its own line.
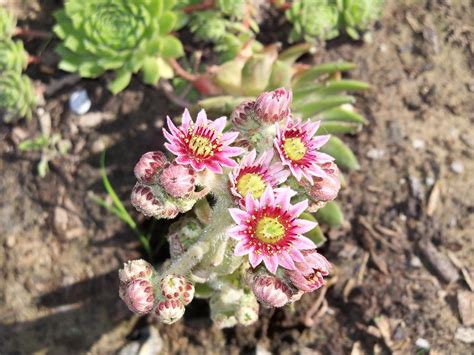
x=144 y=293
x=253 y=244
x=164 y=188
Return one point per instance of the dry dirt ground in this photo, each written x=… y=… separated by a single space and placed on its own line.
x=403 y=263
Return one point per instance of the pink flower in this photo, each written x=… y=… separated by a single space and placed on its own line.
x=148 y=167
x=178 y=180
x=268 y=230
x=298 y=148
x=308 y=275
x=270 y=291
x=202 y=144
x=274 y=106
x=327 y=187
x=138 y=295
x=254 y=175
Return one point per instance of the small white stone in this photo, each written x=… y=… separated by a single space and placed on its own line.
x=418 y=143
x=430 y=181
x=79 y=102
x=457 y=167
x=375 y=154
x=422 y=343
x=415 y=262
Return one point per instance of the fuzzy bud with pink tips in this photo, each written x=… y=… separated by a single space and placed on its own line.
x=178 y=180
x=244 y=117
x=274 y=106
x=309 y=275
x=135 y=269
x=270 y=290
x=146 y=202
x=169 y=311
x=324 y=188
x=148 y=167
x=177 y=287
x=138 y=295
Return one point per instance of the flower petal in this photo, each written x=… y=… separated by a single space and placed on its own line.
x=301 y=242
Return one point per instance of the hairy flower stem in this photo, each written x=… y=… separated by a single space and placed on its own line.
x=214 y=234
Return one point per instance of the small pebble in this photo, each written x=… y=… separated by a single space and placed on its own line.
x=375 y=154
x=79 y=102
x=430 y=181
x=418 y=144
x=457 y=167
x=415 y=262
x=422 y=344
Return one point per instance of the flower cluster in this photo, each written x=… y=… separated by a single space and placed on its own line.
x=252 y=243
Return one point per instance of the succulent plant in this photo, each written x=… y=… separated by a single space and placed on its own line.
x=227 y=24
x=123 y=36
x=318 y=91
x=323 y=19
x=17 y=96
x=12 y=55
x=359 y=15
x=254 y=246
x=313 y=19
x=7 y=23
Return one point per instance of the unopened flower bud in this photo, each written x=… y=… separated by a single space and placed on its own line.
x=270 y=290
x=326 y=188
x=244 y=118
x=309 y=275
x=169 y=311
x=148 y=167
x=138 y=295
x=177 y=287
x=135 y=269
x=273 y=106
x=178 y=180
x=144 y=200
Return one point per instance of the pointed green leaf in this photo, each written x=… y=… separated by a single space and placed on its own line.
x=322 y=104
x=333 y=127
x=331 y=215
x=342 y=114
x=171 y=47
x=150 y=71
x=121 y=81
x=316 y=235
x=342 y=153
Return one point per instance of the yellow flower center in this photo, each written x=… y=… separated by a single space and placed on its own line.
x=252 y=183
x=201 y=146
x=294 y=148
x=269 y=230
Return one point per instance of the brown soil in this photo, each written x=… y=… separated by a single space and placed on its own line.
x=60 y=251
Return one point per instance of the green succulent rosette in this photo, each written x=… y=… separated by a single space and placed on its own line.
x=359 y=15
x=233 y=8
x=7 y=23
x=17 y=96
x=313 y=19
x=12 y=56
x=120 y=35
